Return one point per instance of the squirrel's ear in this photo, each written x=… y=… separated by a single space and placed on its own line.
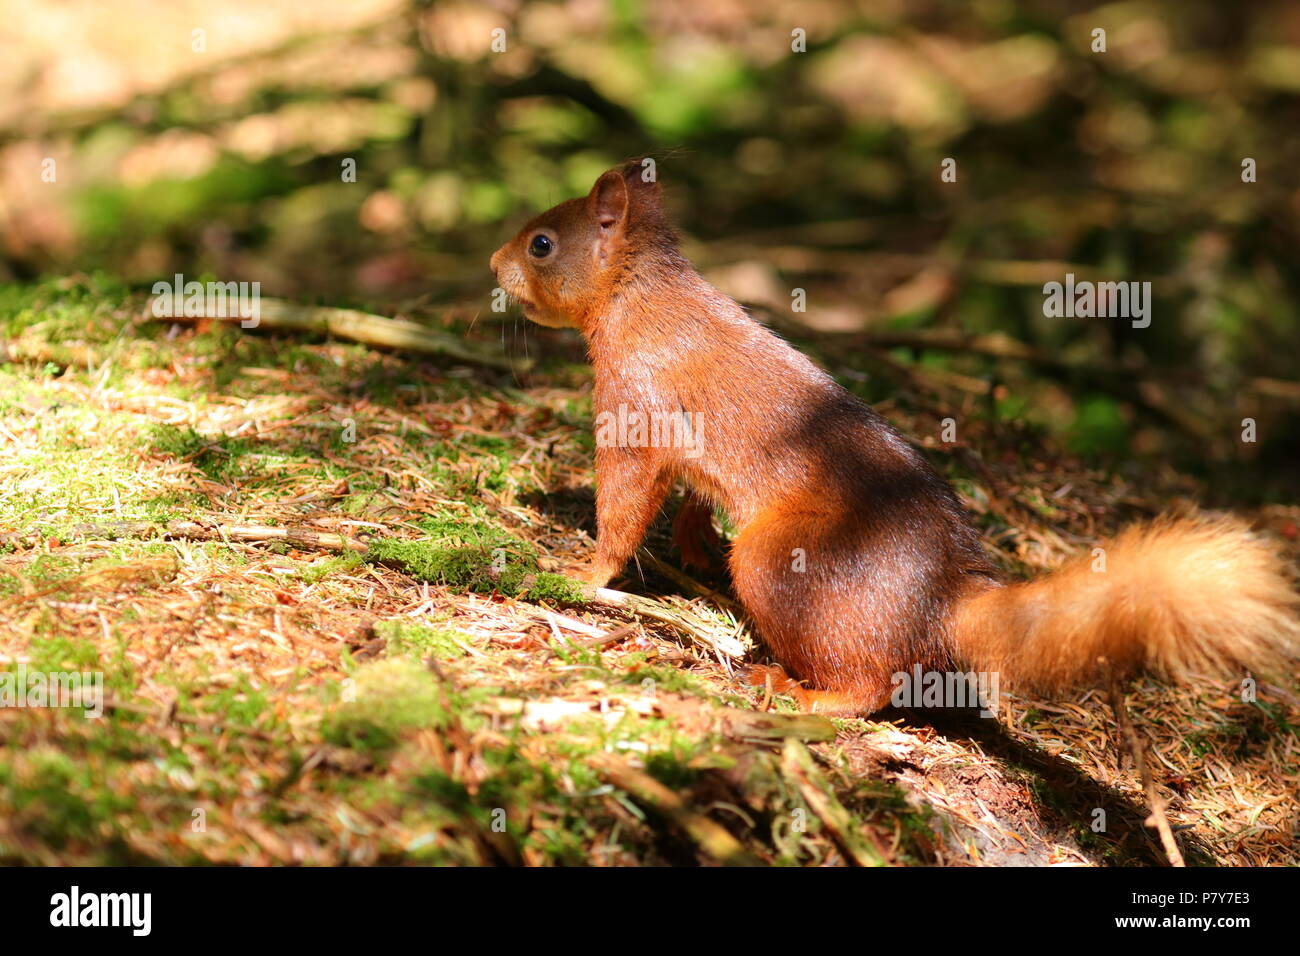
x=607 y=202
x=642 y=179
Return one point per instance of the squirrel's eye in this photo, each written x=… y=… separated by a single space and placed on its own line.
x=541 y=246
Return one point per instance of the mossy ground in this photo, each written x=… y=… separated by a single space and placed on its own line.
x=446 y=697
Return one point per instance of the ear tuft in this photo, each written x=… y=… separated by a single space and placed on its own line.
x=642 y=178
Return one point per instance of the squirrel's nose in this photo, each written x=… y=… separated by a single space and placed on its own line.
x=495 y=262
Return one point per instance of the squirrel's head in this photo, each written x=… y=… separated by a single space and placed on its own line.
x=564 y=266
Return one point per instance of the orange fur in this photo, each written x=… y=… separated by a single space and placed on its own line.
x=853 y=557
x=1176 y=597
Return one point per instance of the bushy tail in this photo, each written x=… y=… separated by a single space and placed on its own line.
x=1176 y=596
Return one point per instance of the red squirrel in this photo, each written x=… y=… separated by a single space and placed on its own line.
x=854 y=558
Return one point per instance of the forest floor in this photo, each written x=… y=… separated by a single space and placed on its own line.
x=320 y=584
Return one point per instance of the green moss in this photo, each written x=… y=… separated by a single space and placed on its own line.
x=391 y=695
x=666 y=678
x=70 y=476
x=469 y=555
x=474 y=555
x=419 y=640
x=241 y=704
x=71 y=802
x=216 y=458
x=58 y=653
x=76 y=307
x=172 y=507
x=467 y=568
x=556 y=587
x=341 y=564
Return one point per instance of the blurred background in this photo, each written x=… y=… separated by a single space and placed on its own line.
x=212 y=138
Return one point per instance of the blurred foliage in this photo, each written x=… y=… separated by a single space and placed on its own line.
x=817 y=170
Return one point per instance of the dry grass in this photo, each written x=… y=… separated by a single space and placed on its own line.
x=306 y=706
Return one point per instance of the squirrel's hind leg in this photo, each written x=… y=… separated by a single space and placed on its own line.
x=693 y=531
x=820 y=609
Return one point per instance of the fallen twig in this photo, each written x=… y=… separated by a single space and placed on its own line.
x=711 y=837
x=35 y=350
x=797 y=764
x=658 y=611
x=1157 y=819
x=170 y=715
x=292 y=536
x=367 y=328
x=685 y=581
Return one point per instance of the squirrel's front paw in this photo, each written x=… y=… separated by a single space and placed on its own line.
x=597 y=578
x=597 y=574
